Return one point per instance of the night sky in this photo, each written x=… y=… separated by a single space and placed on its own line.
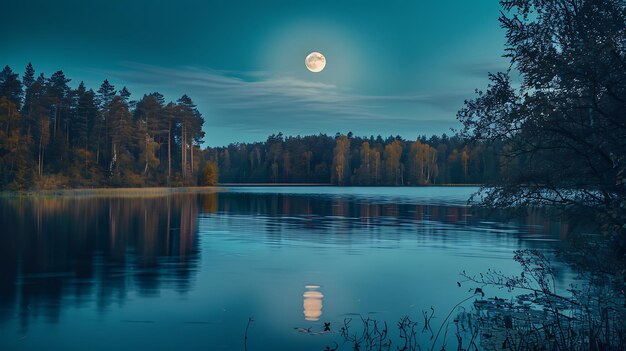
x=393 y=67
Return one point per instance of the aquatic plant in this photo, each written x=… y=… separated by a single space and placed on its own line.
x=590 y=315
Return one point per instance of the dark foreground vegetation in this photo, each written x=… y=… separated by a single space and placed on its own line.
x=564 y=127
x=564 y=122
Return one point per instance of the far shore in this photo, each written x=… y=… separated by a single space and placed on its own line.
x=119 y=192
x=334 y=185
x=164 y=191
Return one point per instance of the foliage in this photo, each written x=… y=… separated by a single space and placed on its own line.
x=103 y=138
x=352 y=160
x=210 y=174
x=588 y=316
x=563 y=131
x=54 y=136
x=564 y=124
x=341 y=160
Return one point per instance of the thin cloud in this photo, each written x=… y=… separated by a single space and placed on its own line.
x=480 y=69
x=244 y=100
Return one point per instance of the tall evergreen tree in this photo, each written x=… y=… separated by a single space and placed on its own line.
x=39 y=119
x=28 y=79
x=120 y=119
x=60 y=98
x=76 y=133
x=105 y=95
x=106 y=92
x=153 y=123
x=125 y=95
x=10 y=86
x=191 y=122
x=29 y=76
x=84 y=121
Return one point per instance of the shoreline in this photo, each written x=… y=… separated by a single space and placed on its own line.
x=164 y=191
x=116 y=192
x=343 y=186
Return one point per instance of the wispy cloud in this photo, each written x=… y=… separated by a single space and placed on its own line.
x=480 y=69
x=259 y=102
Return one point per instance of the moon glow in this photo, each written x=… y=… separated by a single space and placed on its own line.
x=315 y=62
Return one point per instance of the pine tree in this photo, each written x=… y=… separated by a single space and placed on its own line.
x=85 y=116
x=10 y=86
x=170 y=112
x=59 y=96
x=39 y=119
x=191 y=122
x=121 y=129
x=159 y=97
x=105 y=95
x=153 y=123
x=106 y=92
x=125 y=94
x=28 y=79
x=29 y=76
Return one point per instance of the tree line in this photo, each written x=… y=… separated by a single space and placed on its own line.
x=352 y=160
x=52 y=135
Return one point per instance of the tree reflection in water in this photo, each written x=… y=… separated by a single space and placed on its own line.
x=75 y=251
x=96 y=254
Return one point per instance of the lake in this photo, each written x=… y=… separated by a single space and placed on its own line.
x=187 y=271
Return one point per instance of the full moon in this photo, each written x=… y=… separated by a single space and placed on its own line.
x=315 y=62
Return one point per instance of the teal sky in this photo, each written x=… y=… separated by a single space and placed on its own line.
x=393 y=67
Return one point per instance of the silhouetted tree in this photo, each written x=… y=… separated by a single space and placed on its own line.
x=10 y=86
x=563 y=127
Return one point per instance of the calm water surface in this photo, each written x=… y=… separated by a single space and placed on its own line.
x=187 y=271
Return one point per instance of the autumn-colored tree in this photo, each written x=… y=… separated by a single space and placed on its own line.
x=393 y=167
x=287 y=159
x=341 y=165
x=210 y=174
x=14 y=147
x=105 y=138
x=422 y=163
x=49 y=129
x=364 y=174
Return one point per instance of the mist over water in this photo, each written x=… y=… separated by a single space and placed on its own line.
x=188 y=270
